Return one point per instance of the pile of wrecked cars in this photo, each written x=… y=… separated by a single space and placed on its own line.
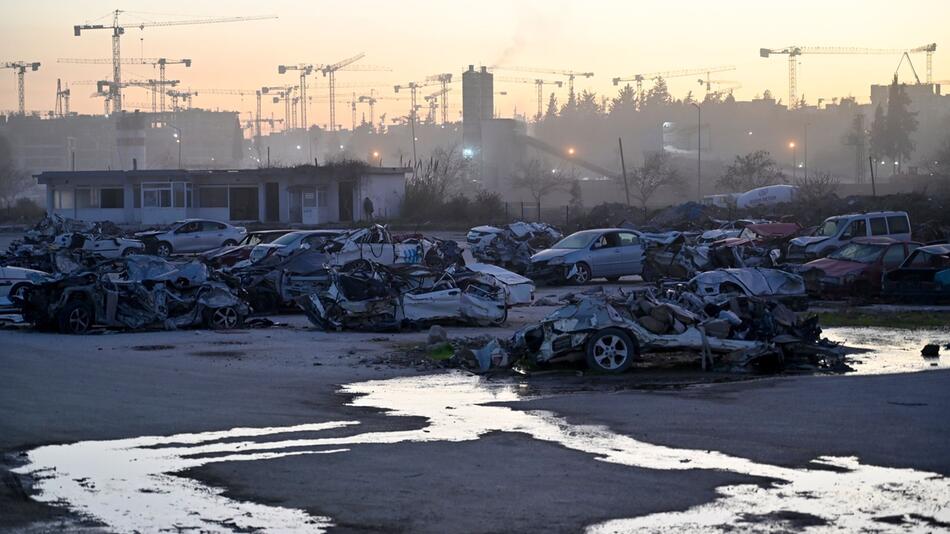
x=611 y=331
x=133 y=292
x=511 y=246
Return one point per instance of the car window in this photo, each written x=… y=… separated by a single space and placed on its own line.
x=858 y=252
x=316 y=239
x=922 y=260
x=210 y=226
x=894 y=256
x=857 y=228
x=187 y=228
x=575 y=241
x=829 y=228
x=286 y=239
x=629 y=238
x=878 y=226
x=898 y=224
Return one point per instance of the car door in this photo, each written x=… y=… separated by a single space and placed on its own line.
x=213 y=234
x=187 y=237
x=631 y=253
x=606 y=255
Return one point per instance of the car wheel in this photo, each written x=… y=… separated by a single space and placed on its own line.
x=164 y=249
x=229 y=243
x=225 y=318
x=610 y=351
x=129 y=251
x=76 y=317
x=582 y=274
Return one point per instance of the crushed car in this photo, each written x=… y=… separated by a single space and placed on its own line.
x=56 y=235
x=770 y=284
x=511 y=246
x=230 y=255
x=611 y=331
x=857 y=268
x=924 y=276
x=134 y=292
x=365 y=295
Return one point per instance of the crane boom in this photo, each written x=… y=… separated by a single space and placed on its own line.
x=570 y=74
x=20 y=68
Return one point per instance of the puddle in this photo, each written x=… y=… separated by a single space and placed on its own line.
x=130 y=484
x=891 y=350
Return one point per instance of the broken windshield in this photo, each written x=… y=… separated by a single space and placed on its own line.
x=861 y=253
x=577 y=240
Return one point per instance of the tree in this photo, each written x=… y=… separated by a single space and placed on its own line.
x=654 y=174
x=569 y=107
x=433 y=182
x=880 y=147
x=689 y=99
x=658 y=95
x=587 y=106
x=625 y=101
x=816 y=187
x=537 y=178
x=901 y=123
x=551 y=112
x=13 y=181
x=756 y=169
x=577 y=195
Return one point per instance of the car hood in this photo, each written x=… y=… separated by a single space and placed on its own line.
x=837 y=268
x=804 y=241
x=551 y=253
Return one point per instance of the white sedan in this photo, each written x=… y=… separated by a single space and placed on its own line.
x=12 y=279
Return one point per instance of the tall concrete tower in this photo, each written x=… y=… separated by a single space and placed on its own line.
x=478 y=104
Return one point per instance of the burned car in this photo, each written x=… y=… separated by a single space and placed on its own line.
x=611 y=331
x=56 y=235
x=230 y=255
x=856 y=268
x=771 y=284
x=512 y=245
x=134 y=292
x=366 y=295
x=924 y=276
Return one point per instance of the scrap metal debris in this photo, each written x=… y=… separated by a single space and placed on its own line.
x=511 y=246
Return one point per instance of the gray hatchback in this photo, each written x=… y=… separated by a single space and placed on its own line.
x=603 y=253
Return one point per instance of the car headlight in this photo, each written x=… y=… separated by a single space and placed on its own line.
x=556 y=261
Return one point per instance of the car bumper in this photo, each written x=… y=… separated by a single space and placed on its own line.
x=548 y=273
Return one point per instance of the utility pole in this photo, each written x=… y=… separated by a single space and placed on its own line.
x=623 y=168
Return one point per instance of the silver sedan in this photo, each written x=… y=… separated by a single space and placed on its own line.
x=603 y=253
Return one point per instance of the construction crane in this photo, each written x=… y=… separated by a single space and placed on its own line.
x=305 y=70
x=371 y=99
x=180 y=95
x=329 y=71
x=794 y=51
x=20 y=68
x=413 y=96
x=159 y=62
x=119 y=29
x=539 y=83
x=283 y=93
x=62 y=100
x=433 y=100
x=570 y=74
x=639 y=78
x=444 y=79
x=721 y=85
x=155 y=86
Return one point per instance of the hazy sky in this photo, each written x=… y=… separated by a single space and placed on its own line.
x=415 y=38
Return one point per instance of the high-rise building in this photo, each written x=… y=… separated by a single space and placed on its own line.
x=477 y=105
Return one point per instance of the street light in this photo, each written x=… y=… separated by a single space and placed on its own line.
x=570 y=151
x=791 y=144
x=699 y=152
x=378 y=158
x=177 y=136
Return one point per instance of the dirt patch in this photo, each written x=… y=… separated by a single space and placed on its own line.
x=149 y=348
x=219 y=353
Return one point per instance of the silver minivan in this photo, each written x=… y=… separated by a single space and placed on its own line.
x=839 y=230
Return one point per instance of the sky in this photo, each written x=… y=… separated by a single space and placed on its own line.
x=416 y=38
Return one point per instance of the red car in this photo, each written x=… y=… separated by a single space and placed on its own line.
x=856 y=268
x=228 y=256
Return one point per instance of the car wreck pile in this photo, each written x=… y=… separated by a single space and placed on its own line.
x=512 y=245
x=134 y=292
x=613 y=330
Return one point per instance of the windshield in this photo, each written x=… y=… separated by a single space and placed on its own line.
x=257 y=239
x=923 y=260
x=861 y=253
x=829 y=228
x=577 y=240
x=286 y=239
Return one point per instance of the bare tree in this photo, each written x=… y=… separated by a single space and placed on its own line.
x=13 y=181
x=817 y=186
x=538 y=178
x=756 y=169
x=655 y=174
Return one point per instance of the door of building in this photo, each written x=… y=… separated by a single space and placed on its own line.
x=346 y=201
x=243 y=203
x=272 y=202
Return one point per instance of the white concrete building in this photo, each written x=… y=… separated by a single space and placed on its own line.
x=305 y=195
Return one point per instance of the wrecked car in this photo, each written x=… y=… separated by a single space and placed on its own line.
x=80 y=240
x=230 y=255
x=512 y=245
x=856 y=268
x=723 y=284
x=291 y=241
x=923 y=277
x=726 y=230
x=13 y=281
x=603 y=253
x=191 y=235
x=610 y=332
x=134 y=292
x=839 y=230
x=366 y=295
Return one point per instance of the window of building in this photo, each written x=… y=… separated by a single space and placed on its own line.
x=178 y=191
x=111 y=197
x=309 y=199
x=84 y=198
x=212 y=197
x=189 y=195
x=322 y=197
x=137 y=196
x=63 y=199
x=878 y=226
x=156 y=195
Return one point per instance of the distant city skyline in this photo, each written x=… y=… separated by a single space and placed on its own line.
x=417 y=38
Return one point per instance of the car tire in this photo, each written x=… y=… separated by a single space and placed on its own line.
x=583 y=274
x=224 y=318
x=129 y=251
x=611 y=351
x=163 y=249
x=77 y=317
x=229 y=243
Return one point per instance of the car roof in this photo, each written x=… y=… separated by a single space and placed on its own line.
x=876 y=240
x=285 y=231
x=868 y=214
